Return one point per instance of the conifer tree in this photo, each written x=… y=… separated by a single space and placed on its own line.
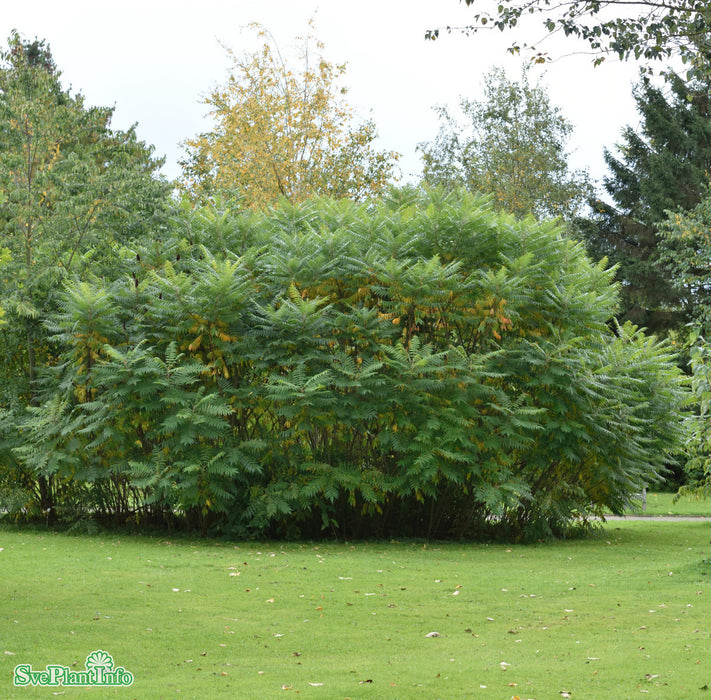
x=663 y=166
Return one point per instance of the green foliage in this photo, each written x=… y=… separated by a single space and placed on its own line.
x=685 y=250
x=663 y=165
x=643 y=29
x=284 y=132
x=420 y=365
x=699 y=446
x=70 y=189
x=512 y=147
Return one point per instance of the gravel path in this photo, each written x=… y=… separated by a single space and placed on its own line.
x=704 y=518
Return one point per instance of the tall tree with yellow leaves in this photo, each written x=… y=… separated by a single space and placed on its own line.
x=281 y=132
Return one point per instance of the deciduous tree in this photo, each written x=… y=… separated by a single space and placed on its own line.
x=70 y=187
x=281 y=131
x=648 y=29
x=511 y=146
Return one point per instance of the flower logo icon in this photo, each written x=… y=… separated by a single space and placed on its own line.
x=99 y=659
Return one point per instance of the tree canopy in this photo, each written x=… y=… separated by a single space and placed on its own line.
x=512 y=146
x=647 y=29
x=70 y=187
x=284 y=132
x=662 y=165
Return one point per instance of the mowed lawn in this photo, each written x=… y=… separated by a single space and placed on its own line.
x=667 y=504
x=626 y=614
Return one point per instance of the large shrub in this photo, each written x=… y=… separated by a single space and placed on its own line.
x=416 y=366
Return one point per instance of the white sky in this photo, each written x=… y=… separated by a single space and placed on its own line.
x=154 y=59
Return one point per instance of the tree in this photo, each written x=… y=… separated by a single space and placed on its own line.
x=71 y=191
x=663 y=166
x=685 y=252
x=685 y=249
x=282 y=132
x=649 y=29
x=511 y=146
x=70 y=187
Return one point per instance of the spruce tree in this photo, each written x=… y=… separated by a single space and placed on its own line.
x=663 y=166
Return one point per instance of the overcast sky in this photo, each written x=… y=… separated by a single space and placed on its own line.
x=154 y=60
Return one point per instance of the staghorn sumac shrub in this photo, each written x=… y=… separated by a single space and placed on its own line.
x=418 y=365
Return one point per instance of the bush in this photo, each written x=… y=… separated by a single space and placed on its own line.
x=416 y=366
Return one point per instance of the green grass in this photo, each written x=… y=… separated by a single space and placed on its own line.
x=623 y=615
x=663 y=504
